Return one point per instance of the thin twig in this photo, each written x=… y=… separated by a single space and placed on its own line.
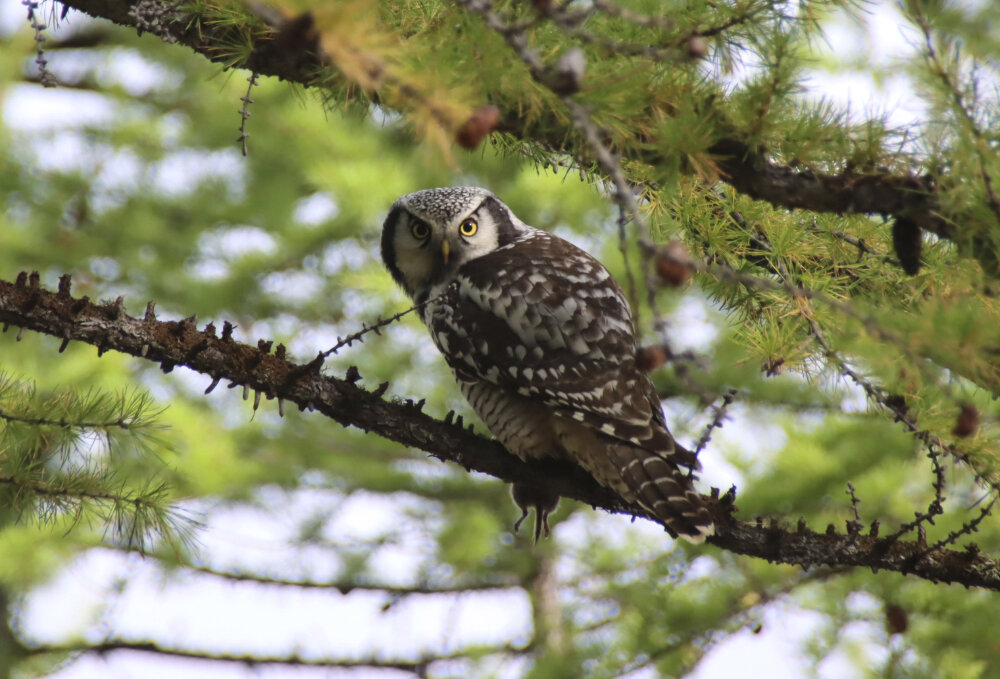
x=416 y=666
x=935 y=507
x=854 y=502
x=345 y=586
x=375 y=327
x=967 y=529
x=630 y=278
x=120 y=423
x=45 y=76
x=720 y=415
x=245 y=112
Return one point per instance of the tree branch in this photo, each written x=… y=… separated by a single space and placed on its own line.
x=170 y=343
x=269 y=57
x=417 y=666
x=346 y=586
x=750 y=171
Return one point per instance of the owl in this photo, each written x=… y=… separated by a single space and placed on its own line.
x=542 y=344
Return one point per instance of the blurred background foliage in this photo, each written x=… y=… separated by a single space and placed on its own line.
x=129 y=178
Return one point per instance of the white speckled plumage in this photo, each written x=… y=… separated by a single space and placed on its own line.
x=541 y=340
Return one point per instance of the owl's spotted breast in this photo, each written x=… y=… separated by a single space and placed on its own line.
x=542 y=336
x=552 y=295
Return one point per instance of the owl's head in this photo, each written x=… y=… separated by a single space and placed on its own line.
x=430 y=234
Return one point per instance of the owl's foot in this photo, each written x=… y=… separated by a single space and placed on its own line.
x=530 y=496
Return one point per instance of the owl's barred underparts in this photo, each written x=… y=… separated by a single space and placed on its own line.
x=542 y=343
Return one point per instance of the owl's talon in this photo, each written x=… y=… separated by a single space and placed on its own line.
x=517 y=524
x=528 y=496
x=541 y=521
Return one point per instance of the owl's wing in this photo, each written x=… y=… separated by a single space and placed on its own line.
x=547 y=321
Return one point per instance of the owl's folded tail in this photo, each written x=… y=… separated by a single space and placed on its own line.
x=664 y=490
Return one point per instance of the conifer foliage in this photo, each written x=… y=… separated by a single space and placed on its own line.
x=816 y=286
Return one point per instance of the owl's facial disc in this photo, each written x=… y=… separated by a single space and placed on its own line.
x=429 y=235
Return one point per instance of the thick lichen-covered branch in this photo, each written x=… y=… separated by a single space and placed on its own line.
x=25 y=304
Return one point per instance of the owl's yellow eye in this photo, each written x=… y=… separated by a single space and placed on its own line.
x=420 y=230
x=468 y=227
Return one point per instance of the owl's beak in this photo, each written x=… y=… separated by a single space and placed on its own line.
x=445 y=250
